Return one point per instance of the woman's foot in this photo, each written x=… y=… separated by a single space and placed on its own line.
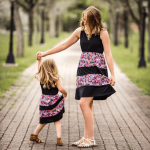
x=78 y=142
x=87 y=143
x=35 y=138
x=59 y=142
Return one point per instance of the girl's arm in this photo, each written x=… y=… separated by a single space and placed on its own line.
x=106 y=44
x=70 y=41
x=39 y=62
x=61 y=89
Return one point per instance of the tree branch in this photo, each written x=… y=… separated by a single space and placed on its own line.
x=34 y=3
x=131 y=12
x=22 y=5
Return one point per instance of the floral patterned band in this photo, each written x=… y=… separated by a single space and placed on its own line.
x=92 y=80
x=49 y=100
x=89 y=59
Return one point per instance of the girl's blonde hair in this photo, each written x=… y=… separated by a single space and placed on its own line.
x=48 y=73
x=94 y=21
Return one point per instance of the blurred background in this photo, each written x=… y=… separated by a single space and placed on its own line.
x=28 y=26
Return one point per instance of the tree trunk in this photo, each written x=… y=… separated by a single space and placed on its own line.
x=60 y=23
x=35 y=25
x=20 y=38
x=126 y=28
x=149 y=32
x=30 y=27
x=140 y=37
x=52 y=28
x=116 y=29
x=111 y=22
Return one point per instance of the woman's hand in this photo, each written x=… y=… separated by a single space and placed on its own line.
x=112 y=80
x=39 y=55
x=65 y=95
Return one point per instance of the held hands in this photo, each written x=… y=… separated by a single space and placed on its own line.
x=112 y=80
x=39 y=55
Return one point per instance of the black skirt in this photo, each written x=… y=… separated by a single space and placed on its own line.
x=51 y=108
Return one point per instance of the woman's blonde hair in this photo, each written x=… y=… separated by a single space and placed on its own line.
x=94 y=21
x=48 y=73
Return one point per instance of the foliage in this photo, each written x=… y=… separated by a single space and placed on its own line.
x=72 y=18
x=8 y=25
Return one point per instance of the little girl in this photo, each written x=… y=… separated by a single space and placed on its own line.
x=51 y=103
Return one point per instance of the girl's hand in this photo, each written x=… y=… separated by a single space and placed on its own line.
x=39 y=55
x=112 y=80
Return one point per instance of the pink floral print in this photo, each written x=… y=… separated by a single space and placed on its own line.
x=47 y=100
x=89 y=59
x=92 y=80
x=54 y=111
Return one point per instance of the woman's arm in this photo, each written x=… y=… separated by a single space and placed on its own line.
x=108 y=55
x=61 y=89
x=70 y=41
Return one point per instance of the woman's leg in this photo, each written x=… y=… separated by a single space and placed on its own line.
x=89 y=108
x=39 y=128
x=86 y=104
x=58 y=128
x=85 y=129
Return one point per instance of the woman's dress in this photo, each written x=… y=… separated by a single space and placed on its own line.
x=92 y=76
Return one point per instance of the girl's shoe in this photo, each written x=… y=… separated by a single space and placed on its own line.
x=59 y=142
x=34 y=137
x=78 y=142
x=91 y=143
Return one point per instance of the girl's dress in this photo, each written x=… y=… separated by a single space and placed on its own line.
x=92 y=77
x=51 y=105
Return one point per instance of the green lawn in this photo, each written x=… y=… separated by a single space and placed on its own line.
x=128 y=62
x=9 y=75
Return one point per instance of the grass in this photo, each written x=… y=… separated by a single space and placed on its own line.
x=8 y=75
x=128 y=63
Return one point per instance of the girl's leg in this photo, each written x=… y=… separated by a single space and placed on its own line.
x=58 y=128
x=39 y=128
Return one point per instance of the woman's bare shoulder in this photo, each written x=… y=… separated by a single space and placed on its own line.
x=78 y=31
x=103 y=33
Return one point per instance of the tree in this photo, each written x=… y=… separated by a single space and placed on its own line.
x=28 y=6
x=137 y=19
x=114 y=13
x=52 y=16
x=125 y=17
x=36 y=23
x=18 y=24
x=149 y=31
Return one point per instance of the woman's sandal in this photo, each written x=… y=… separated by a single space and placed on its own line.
x=35 y=138
x=78 y=142
x=85 y=145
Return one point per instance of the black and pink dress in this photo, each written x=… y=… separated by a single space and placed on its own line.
x=51 y=105
x=92 y=76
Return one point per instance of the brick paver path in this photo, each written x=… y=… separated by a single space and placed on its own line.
x=122 y=122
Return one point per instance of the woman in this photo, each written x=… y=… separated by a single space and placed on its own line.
x=92 y=78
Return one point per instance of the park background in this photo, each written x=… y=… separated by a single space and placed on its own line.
x=41 y=24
